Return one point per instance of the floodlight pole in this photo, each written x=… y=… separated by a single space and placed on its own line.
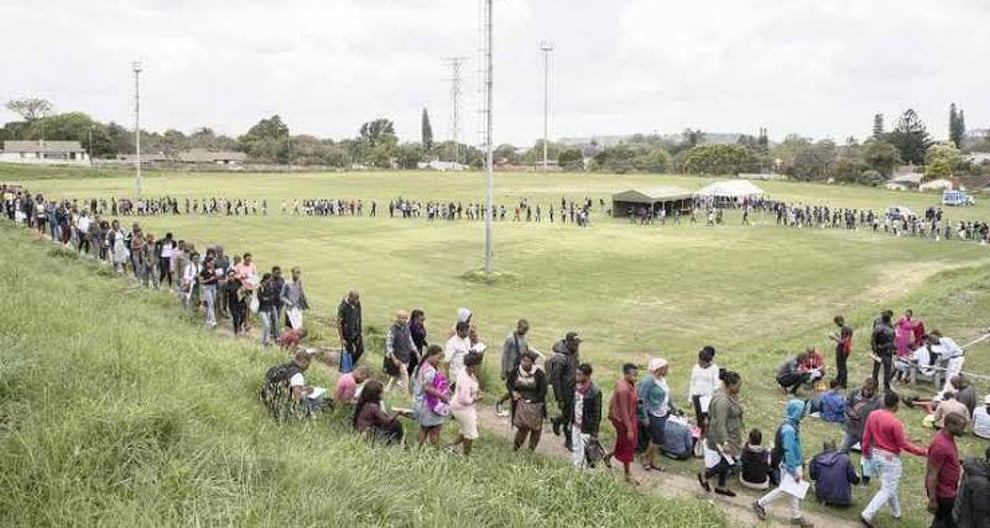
x=489 y=176
x=136 y=66
x=546 y=47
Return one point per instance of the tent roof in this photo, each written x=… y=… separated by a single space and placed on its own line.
x=649 y=195
x=731 y=189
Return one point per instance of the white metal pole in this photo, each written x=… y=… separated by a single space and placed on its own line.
x=546 y=47
x=488 y=138
x=137 y=122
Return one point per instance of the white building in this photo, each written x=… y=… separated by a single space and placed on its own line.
x=212 y=157
x=42 y=152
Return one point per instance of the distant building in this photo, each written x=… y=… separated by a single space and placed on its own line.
x=442 y=166
x=212 y=157
x=146 y=158
x=41 y=152
x=978 y=158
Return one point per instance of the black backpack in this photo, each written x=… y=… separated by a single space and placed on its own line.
x=275 y=393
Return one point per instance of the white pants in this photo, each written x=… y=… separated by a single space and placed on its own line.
x=778 y=493
x=888 y=468
x=578 y=441
x=295 y=316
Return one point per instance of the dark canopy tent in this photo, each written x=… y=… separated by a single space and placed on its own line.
x=668 y=198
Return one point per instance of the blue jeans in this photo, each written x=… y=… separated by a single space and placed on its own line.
x=269 y=321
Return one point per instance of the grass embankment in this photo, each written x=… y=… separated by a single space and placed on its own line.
x=114 y=411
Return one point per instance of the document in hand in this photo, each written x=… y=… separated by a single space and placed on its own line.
x=794 y=488
x=479 y=348
x=316 y=393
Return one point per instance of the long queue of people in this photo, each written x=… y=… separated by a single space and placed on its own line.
x=445 y=385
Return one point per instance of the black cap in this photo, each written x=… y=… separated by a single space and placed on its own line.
x=572 y=337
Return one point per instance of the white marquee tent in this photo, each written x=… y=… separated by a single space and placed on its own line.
x=731 y=189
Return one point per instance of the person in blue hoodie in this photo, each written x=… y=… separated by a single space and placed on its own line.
x=834 y=476
x=788 y=450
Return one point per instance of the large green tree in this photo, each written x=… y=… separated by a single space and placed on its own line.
x=719 y=159
x=378 y=132
x=881 y=156
x=910 y=137
x=30 y=108
x=941 y=160
x=267 y=141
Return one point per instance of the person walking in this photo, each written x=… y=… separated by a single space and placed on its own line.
x=843 y=348
x=528 y=385
x=882 y=344
x=562 y=375
x=349 y=326
x=431 y=397
x=513 y=349
x=417 y=329
x=234 y=294
x=268 y=293
x=464 y=404
x=399 y=348
x=943 y=471
x=788 y=448
x=586 y=415
x=655 y=406
x=623 y=415
x=704 y=382
x=723 y=443
x=208 y=284
x=883 y=442
x=294 y=300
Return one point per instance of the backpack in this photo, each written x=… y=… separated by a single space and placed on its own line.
x=275 y=393
x=777 y=453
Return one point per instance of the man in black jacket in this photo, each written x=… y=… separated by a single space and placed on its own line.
x=972 y=508
x=349 y=326
x=562 y=374
x=882 y=343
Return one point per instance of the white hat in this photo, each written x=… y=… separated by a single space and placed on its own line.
x=656 y=364
x=463 y=315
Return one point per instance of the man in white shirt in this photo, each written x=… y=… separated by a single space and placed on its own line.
x=308 y=397
x=82 y=226
x=981 y=419
x=457 y=349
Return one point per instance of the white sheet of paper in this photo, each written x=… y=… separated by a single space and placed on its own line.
x=479 y=348
x=791 y=487
x=317 y=392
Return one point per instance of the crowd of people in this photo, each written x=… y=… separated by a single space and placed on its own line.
x=442 y=380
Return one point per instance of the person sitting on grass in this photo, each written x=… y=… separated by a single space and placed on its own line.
x=290 y=338
x=299 y=391
x=791 y=376
x=349 y=385
x=834 y=476
x=981 y=420
x=371 y=420
x=678 y=439
x=755 y=460
x=814 y=365
x=832 y=403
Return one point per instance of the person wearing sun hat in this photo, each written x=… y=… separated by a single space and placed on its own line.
x=655 y=407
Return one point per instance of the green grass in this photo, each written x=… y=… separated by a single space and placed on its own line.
x=116 y=412
x=757 y=294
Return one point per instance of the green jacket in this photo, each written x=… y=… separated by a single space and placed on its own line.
x=725 y=423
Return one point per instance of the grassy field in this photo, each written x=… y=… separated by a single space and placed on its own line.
x=116 y=412
x=755 y=293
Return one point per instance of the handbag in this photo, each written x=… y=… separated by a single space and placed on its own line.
x=255 y=304
x=346 y=362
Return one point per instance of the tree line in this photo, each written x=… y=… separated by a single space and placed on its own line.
x=376 y=145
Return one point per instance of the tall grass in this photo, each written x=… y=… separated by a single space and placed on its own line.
x=114 y=411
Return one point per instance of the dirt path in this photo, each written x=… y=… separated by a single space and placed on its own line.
x=737 y=509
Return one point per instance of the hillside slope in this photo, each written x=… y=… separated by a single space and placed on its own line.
x=116 y=411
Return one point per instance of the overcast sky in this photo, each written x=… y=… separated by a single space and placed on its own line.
x=818 y=68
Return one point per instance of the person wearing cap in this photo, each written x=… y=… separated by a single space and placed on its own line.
x=655 y=407
x=562 y=375
x=981 y=419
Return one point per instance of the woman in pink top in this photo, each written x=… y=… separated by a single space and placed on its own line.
x=464 y=404
x=905 y=334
